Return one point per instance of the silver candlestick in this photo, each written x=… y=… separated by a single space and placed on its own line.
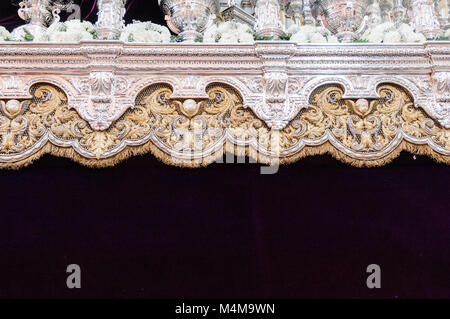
x=374 y=14
x=268 y=19
x=110 y=18
x=399 y=11
x=386 y=9
x=444 y=19
x=295 y=9
x=307 y=13
x=424 y=19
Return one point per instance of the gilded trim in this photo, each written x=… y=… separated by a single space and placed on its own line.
x=197 y=132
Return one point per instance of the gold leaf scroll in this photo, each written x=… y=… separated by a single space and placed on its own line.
x=365 y=132
x=194 y=133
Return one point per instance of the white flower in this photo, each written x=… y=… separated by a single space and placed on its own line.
x=293 y=29
x=385 y=27
x=405 y=29
x=224 y=27
x=408 y=34
x=333 y=39
x=375 y=37
x=229 y=37
x=323 y=31
x=389 y=32
x=318 y=38
x=392 y=37
x=145 y=32
x=69 y=31
x=228 y=32
x=4 y=34
x=300 y=37
x=308 y=29
x=311 y=34
x=417 y=37
x=366 y=34
x=246 y=37
x=210 y=35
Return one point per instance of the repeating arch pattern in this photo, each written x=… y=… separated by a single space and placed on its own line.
x=196 y=132
x=365 y=132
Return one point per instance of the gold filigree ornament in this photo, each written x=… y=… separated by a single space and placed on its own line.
x=193 y=133
x=363 y=132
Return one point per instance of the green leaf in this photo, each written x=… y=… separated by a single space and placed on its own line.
x=439 y=39
x=286 y=37
x=175 y=38
x=28 y=36
x=264 y=38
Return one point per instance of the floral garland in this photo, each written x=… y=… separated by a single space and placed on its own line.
x=145 y=32
x=229 y=32
x=311 y=34
x=69 y=31
x=390 y=32
x=4 y=34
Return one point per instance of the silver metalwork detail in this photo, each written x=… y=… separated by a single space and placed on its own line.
x=268 y=19
x=189 y=18
x=39 y=14
x=346 y=19
x=424 y=19
x=110 y=18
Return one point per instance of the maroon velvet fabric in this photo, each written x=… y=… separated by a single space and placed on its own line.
x=147 y=230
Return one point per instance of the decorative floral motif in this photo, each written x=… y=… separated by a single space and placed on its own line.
x=362 y=126
x=229 y=32
x=191 y=126
x=176 y=127
x=311 y=34
x=145 y=32
x=21 y=129
x=393 y=33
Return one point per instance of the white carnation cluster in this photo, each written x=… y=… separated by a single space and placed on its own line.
x=4 y=34
x=447 y=34
x=145 y=32
x=229 y=32
x=311 y=34
x=69 y=31
x=390 y=32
